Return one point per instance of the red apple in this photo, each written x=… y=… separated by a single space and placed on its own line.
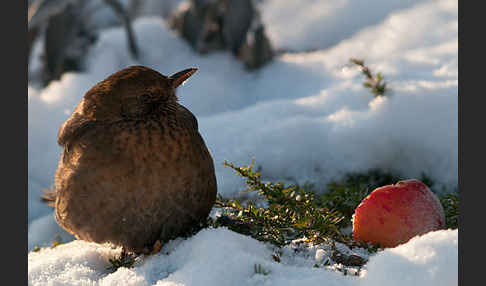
x=393 y=214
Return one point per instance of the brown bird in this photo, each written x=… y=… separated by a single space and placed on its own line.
x=134 y=170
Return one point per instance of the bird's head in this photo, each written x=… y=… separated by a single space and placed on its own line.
x=135 y=91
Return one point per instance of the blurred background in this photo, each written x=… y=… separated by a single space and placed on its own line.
x=312 y=90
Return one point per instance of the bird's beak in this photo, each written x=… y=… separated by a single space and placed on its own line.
x=178 y=78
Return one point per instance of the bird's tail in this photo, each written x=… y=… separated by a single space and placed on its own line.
x=49 y=197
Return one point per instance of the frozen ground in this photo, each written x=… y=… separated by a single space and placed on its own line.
x=304 y=117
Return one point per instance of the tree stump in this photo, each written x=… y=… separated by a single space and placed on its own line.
x=234 y=25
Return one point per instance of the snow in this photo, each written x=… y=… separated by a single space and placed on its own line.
x=305 y=117
x=222 y=257
x=310 y=24
x=427 y=260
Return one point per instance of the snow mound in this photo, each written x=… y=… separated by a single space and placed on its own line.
x=222 y=257
x=430 y=259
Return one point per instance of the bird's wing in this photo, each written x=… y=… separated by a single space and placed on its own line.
x=188 y=119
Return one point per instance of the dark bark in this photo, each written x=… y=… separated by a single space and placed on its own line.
x=41 y=10
x=66 y=42
x=210 y=25
x=134 y=10
x=124 y=16
x=60 y=32
x=256 y=51
x=237 y=19
x=32 y=35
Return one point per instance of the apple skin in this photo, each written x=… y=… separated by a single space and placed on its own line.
x=393 y=214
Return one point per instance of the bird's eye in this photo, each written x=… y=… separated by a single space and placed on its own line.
x=145 y=98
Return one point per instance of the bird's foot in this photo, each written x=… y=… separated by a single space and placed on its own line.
x=124 y=260
x=156 y=248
